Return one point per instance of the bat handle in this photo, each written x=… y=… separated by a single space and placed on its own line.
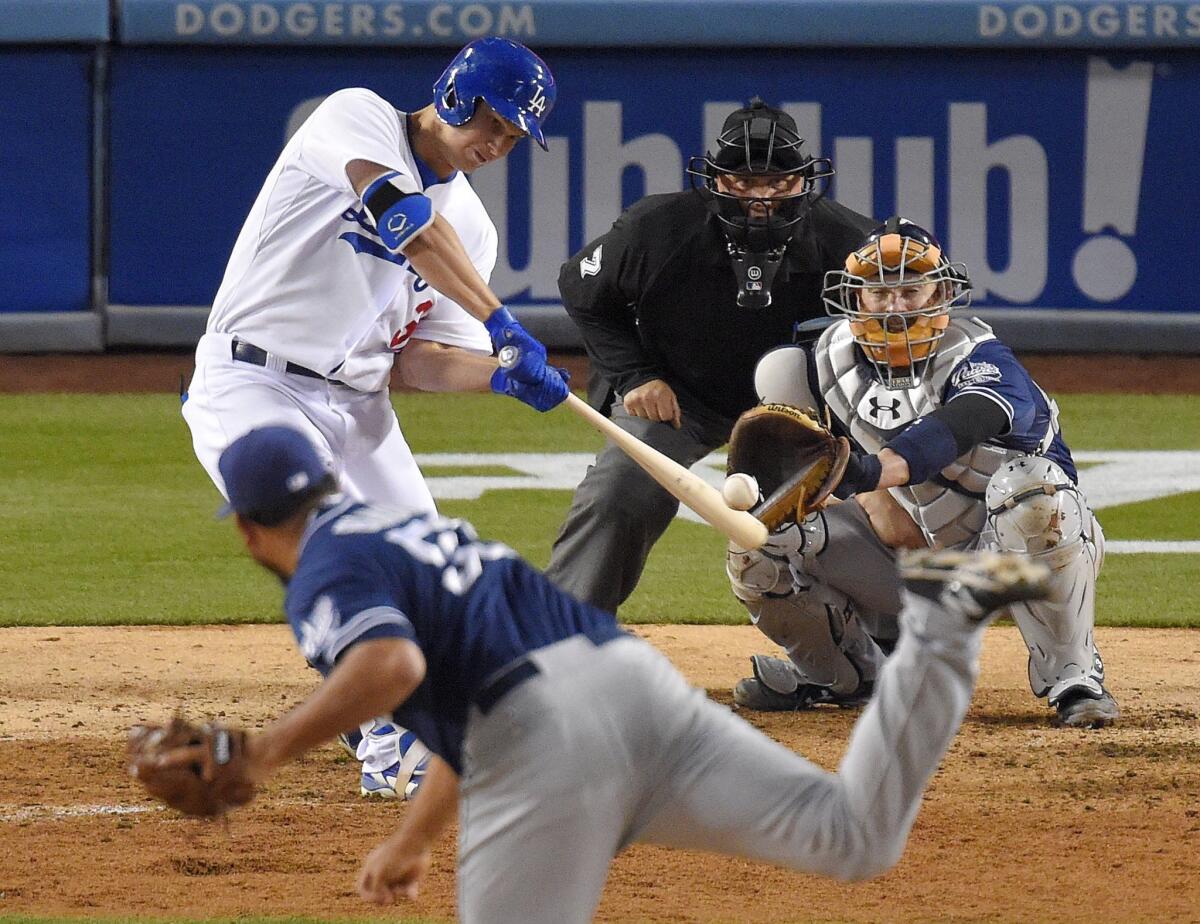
x=508 y=356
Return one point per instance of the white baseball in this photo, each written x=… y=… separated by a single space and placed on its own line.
x=740 y=491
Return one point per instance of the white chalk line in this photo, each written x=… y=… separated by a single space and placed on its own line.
x=1113 y=478
x=40 y=812
x=1134 y=547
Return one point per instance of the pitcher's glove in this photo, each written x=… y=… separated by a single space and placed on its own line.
x=795 y=459
x=198 y=769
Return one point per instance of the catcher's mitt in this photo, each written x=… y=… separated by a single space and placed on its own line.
x=198 y=769
x=796 y=461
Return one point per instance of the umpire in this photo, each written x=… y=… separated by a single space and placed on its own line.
x=675 y=305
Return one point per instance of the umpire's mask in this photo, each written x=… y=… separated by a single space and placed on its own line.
x=762 y=185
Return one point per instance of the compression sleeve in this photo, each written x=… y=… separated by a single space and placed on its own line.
x=930 y=444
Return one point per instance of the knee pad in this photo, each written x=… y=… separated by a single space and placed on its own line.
x=754 y=574
x=1033 y=507
x=783 y=561
x=800 y=544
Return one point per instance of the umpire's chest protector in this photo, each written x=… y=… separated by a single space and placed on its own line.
x=949 y=507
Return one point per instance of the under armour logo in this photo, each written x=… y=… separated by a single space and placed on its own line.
x=537 y=105
x=397 y=223
x=878 y=410
x=590 y=266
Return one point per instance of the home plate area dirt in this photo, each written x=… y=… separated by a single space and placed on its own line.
x=1024 y=822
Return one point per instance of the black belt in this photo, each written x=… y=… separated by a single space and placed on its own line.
x=511 y=677
x=516 y=673
x=245 y=352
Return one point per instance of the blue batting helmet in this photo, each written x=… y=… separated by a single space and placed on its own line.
x=509 y=77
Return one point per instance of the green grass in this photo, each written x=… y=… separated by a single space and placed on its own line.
x=1148 y=590
x=1165 y=518
x=107 y=516
x=1134 y=422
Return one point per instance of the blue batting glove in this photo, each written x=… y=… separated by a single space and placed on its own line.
x=549 y=391
x=529 y=360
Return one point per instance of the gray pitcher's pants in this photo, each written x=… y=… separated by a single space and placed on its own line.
x=619 y=512
x=608 y=746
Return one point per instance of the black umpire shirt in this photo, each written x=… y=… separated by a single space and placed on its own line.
x=656 y=298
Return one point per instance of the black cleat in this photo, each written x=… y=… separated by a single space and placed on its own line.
x=778 y=687
x=1083 y=707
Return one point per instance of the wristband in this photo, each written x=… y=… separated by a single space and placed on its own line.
x=862 y=473
x=497 y=322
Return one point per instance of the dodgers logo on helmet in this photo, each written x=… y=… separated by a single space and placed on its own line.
x=509 y=77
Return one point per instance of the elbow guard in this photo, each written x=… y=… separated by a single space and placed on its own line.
x=399 y=216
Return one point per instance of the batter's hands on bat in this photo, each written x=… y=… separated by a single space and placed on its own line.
x=655 y=400
x=529 y=361
x=548 y=391
x=394 y=870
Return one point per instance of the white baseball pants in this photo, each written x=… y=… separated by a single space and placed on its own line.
x=356 y=433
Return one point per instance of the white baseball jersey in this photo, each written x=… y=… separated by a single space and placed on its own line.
x=420 y=313
x=309 y=278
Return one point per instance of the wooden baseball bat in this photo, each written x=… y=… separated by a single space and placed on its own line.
x=740 y=526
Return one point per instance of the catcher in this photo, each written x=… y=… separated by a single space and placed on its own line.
x=956 y=447
x=559 y=738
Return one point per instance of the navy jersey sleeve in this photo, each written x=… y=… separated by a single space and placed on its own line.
x=993 y=372
x=348 y=603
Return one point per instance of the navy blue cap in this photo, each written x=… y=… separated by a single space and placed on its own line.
x=268 y=470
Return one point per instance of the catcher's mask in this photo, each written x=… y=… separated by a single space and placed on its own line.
x=762 y=184
x=898 y=290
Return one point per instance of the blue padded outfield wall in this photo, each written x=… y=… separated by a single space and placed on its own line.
x=1047 y=143
x=45 y=180
x=1059 y=179
x=46 y=98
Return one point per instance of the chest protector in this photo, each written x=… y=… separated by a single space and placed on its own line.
x=949 y=507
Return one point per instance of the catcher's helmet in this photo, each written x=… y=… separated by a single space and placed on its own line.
x=762 y=143
x=509 y=77
x=882 y=278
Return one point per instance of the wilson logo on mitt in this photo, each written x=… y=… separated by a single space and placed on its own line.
x=796 y=461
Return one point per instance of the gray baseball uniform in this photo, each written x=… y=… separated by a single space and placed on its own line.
x=573 y=739
x=1028 y=470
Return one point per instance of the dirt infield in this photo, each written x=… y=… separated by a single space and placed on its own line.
x=1024 y=822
